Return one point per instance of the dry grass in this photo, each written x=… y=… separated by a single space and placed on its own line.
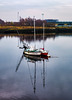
x=23 y=27
x=29 y=27
x=17 y=27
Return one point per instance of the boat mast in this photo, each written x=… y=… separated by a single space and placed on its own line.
x=43 y=73
x=35 y=78
x=43 y=28
x=19 y=63
x=34 y=33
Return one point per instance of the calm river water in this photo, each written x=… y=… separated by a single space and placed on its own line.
x=23 y=78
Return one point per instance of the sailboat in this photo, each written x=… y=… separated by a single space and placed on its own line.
x=42 y=50
x=32 y=50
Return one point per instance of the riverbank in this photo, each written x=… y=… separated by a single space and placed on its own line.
x=30 y=30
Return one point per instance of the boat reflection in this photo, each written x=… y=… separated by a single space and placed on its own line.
x=34 y=59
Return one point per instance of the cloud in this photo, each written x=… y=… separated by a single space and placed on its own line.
x=35 y=2
x=51 y=8
x=63 y=13
x=29 y=3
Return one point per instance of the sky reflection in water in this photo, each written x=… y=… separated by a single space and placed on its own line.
x=33 y=81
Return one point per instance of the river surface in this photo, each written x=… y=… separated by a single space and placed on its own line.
x=23 y=78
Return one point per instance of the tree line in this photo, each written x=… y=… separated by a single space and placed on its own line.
x=27 y=22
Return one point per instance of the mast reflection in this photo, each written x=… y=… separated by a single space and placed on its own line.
x=33 y=59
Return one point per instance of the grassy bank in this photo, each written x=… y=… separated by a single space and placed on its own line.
x=30 y=29
x=23 y=29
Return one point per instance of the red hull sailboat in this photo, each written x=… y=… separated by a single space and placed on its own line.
x=43 y=52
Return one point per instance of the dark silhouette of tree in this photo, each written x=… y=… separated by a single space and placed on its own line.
x=27 y=22
x=39 y=22
x=1 y=22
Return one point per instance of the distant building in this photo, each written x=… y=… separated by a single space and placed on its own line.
x=64 y=24
x=51 y=20
x=59 y=23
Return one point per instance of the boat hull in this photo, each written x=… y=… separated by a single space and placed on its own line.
x=44 y=54
x=33 y=53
